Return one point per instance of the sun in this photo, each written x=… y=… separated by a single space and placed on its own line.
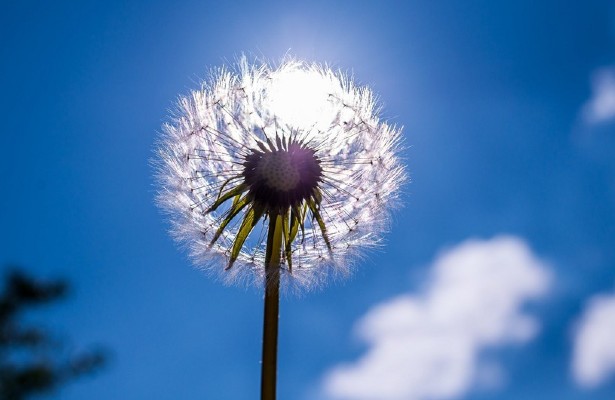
x=300 y=97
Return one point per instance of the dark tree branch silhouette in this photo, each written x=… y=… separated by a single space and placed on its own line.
x=31 y=360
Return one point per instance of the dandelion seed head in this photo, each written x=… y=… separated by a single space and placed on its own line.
x=296 y=140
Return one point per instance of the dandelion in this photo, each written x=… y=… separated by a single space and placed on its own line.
x=278 y=174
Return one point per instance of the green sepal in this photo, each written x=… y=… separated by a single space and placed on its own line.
x=323 y=229
x=288 y=241
x=239 y=204
x=295 y=222
x=317 y=195
x=239 y=189
x=250 y=220
x=236 y=200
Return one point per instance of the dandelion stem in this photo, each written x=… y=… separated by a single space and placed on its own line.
x=272 y=306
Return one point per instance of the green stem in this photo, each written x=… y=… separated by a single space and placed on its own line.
x=272 y=307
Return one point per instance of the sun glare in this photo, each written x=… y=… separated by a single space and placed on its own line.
x=299 y=97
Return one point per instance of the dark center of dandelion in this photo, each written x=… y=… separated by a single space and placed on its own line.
x=282 y=177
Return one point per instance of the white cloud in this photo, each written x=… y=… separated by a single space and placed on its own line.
x=601 y=107
x=594 y=345
x=428 y=346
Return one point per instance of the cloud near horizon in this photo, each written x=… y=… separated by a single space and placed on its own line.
x=594 y=345
x=429 y=346
x=601 y=106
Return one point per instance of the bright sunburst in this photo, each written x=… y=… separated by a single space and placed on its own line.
x=300 y=97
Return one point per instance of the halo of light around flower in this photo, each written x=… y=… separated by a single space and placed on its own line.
x=297 y=140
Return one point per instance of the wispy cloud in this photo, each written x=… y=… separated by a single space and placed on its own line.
x=601 y=106
x=429 y=346
x=594 y=344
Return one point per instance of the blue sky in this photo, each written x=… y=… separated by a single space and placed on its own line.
x=508 y=112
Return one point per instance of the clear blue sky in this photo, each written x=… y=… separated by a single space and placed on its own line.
x=491 y=96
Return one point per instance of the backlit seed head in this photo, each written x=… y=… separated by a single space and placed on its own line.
x=297 y=141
